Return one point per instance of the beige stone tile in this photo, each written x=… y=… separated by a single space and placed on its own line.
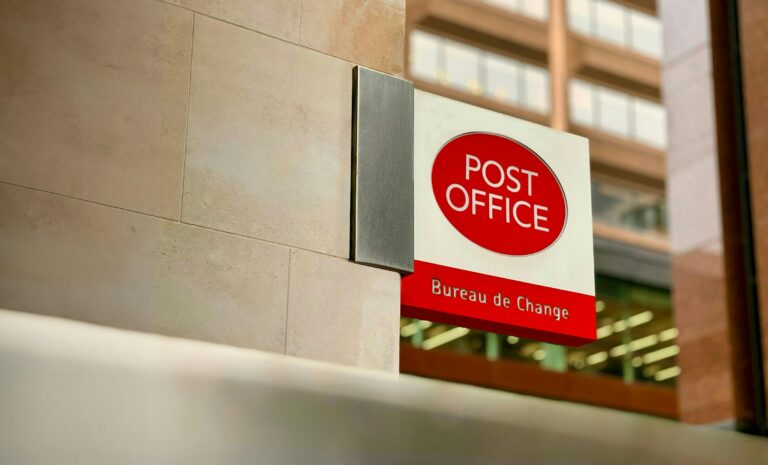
x=694 y=206
x=269 y=140
x=695 y=66
x=278 y=18
x=342 y=312
x=366 y=32
x=689 y=97
x=686 y=26
x=93 y=99
x=75 y=259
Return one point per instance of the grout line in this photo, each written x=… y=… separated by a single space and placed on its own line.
x=688 y=165
x=301 y=20
x=287 y=301
x=686 y=55
x=264 y=34
x=90 y=201
x=179 y=222
x=186 y=129
x=265 y=241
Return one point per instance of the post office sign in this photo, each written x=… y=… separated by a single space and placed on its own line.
x=502 y=225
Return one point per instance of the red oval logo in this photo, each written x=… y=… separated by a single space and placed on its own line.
x=499 y=194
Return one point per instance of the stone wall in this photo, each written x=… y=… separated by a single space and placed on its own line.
x=183 y=168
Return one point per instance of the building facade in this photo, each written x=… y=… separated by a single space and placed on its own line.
x=612 y=71
x=593 y=68
x=714 y=89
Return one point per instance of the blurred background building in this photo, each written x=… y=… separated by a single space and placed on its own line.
x=670 y=95
x=591 y=67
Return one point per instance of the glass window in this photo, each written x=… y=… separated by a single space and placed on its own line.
x=610 y=22
x=473 y=70
x=621 y=114
x=614 y=111
x=624 y=207
x=650 y=123
x=607 y=201
x=424 y=55
x=503 y=76
x=512 y=5
x=635 y=334
x=462 y=64
x=581 y=103
x=538 y=9
x=645 y=34
x=579 y=16
x=618 y=24
x=535 y=89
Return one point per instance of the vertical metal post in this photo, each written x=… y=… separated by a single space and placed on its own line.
x=418 y=337
x=558 y=64
x=492 y=346
x=555 y=358
x=627 y=370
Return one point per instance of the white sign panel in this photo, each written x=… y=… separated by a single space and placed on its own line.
x=503 y=224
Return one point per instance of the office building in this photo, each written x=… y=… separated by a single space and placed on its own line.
x=591 y=67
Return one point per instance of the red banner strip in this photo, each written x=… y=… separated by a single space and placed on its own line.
x=474 y=300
